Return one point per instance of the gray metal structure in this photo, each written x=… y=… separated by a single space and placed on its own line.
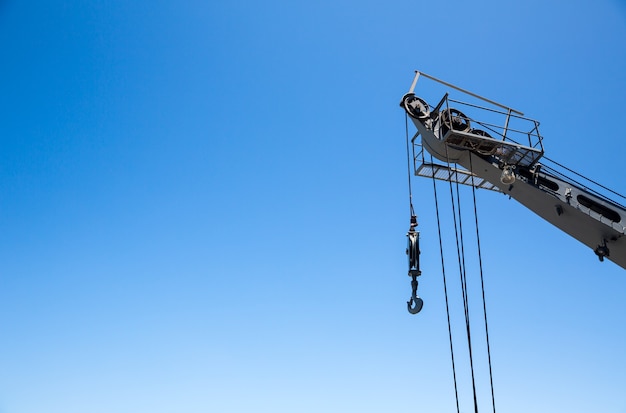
x=497 y=148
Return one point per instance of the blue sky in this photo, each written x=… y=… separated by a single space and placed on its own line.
x=203 y=207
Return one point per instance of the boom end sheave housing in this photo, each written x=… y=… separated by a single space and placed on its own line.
x=488 y=145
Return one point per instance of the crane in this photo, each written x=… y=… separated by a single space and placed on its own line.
x=487 y=145
x=495 y=147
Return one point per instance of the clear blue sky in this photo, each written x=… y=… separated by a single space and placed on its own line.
x=203 y=206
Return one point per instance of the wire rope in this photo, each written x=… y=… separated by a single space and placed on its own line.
x=482 y=285
x=582 y=185
x=461 y=260
x=408 y=163
x=584 y=177
x=445 y=290
x=460 y=246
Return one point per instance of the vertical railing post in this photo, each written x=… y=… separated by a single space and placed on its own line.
x=506 y=123
x=417 y=76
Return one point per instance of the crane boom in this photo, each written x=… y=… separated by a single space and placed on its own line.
x=489 y=149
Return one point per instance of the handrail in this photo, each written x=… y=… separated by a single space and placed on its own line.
x=418 y=73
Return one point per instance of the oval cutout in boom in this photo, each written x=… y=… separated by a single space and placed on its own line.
x=605 y=211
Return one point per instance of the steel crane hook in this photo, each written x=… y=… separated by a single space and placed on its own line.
x=414 y=305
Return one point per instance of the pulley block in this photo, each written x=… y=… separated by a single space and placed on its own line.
x=416 y=107
x=454 y=119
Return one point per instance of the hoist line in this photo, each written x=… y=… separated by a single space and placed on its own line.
x=583 y=177
x=465 y=294
x=408 y=162
x=461 y=259
x=561 y=175
x=482 y=285
x=445 y=290
x=462 y=266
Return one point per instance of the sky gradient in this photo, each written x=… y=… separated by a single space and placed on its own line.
x=203 y=207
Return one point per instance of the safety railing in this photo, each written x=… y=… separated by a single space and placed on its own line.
x=495 y=129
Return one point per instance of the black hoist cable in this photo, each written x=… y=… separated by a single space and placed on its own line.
x=482 y=286
x=415 y=303
x=445 y=291
x=408 y=164
x=458 y=233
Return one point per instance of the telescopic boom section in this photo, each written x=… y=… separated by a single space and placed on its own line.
x=500 y=149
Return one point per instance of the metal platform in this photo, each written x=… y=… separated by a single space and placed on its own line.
x=508 y=152
x=461 y=176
